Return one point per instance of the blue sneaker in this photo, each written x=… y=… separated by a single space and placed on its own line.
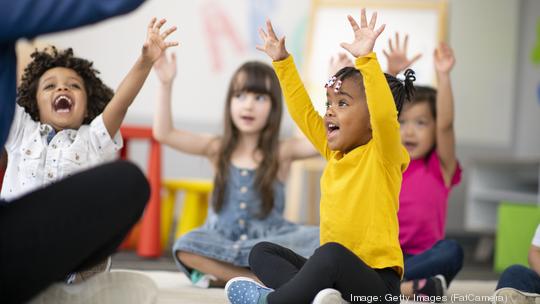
x=243 y=290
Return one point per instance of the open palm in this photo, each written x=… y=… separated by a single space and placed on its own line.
x=273 y=46
x=397 y=55
x=444 y=58
x=364 y=35
x=165 y=67
x=155 y=43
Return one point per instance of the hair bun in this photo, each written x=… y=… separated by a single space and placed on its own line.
x=410 y=77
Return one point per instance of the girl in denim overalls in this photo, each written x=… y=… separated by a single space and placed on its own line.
x=251 y=166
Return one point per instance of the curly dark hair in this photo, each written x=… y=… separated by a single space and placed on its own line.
x=98 y=94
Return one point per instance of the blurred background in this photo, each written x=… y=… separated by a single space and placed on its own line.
x=496 y=83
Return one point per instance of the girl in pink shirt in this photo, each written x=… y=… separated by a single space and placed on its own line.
x=428 y=135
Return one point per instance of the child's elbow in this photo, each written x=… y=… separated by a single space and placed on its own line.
x=159 y=136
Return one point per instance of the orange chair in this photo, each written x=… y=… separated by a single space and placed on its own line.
x=148 y=242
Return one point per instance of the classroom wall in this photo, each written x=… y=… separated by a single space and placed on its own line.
x=492 y=78
x=527 y=114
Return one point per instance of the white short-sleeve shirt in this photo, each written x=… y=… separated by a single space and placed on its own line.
x=536 y=238
x=34 y=163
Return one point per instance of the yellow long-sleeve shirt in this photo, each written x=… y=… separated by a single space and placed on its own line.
x=359 y=189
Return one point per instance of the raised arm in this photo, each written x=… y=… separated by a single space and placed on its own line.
x=29 y=18
x=297 y=148
x=155 y=45
x=296 y=97
x=397 y=55
x=444 y=62
x=381 y=106
x=163 y=128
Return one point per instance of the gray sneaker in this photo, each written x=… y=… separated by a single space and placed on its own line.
x=83 y=275
x=117 y=287
x=509 y=295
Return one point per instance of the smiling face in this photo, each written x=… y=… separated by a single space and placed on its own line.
x=417 y=126
x=347 y=116
x=61 y=98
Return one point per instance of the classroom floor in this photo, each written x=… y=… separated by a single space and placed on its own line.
x=476 y=279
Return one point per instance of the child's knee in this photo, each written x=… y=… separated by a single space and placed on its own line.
x=332 y=248
x=329 y=254
x=514 y=271
x=258 y=252
x=454 y=251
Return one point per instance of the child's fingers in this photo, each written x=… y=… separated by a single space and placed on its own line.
x=171 y=43
x=151 y=24
x=380 y=30
x=390 y=46
x=373 y=21
x=262 y=34
x=353 y=23
x=168 y=32
x=260 y=48
x=397 y=41
x=282 y=42
x=415 y=58
x=406 y=43
x=159 y=24
x=363 y=19
x=346 y=46
x=386 y=54
x=270 y=29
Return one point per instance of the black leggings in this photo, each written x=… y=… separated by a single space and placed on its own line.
x=69 y=225
x=297 y=280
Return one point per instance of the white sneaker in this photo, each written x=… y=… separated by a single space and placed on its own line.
x=118 y=287
x=85 y=274
x=329 y=296
x=509 y=295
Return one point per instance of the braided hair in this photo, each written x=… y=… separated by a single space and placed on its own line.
x=402 y=90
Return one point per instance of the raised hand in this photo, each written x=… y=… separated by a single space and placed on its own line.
x=364 y=35
x=155 y=43
x=397 y=55
x=337 y=62
x=272 y=46
x=165 y=68
x=444 y=58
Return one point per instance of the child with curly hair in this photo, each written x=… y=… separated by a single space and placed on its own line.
x=68 y=120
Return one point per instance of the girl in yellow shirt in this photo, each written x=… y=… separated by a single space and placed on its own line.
x=360 y=258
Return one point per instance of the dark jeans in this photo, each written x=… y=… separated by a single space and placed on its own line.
x=521 y=278
x=69 y=225
x=445 y=257
x=297 y=280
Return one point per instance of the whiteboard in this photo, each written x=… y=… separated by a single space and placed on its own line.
x=423 y=21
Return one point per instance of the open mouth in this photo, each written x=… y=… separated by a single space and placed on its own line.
x=247 y=118
x=410 y=145
x=62 y=104
x=332 y=129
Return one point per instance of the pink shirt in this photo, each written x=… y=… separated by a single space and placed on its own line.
x=422 y=204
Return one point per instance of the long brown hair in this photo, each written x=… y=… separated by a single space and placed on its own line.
x=255 y=77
